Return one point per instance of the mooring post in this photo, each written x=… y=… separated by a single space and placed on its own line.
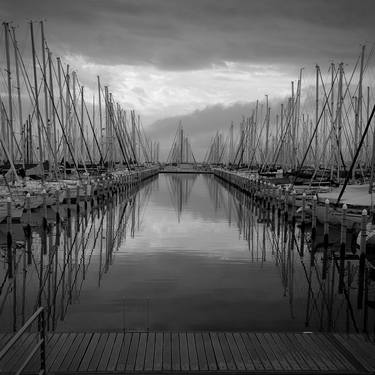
x=342 y=249
x=362 y=260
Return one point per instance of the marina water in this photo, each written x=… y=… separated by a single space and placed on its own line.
x=183 y=252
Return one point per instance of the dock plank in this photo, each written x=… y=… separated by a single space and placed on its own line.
x=366 y=346
x=86 y=359
x=63 y=352
x=141 y=352
x=288 y=351
x=269 y=352
x=277 y=350
x=167 y=355
x=193 y=358
x=249 y=365
x=158 y=351
x=56 y=350
x=362 y=344
x=124 y=351
x=220 y=360
x=309 y=351
x=80 y=352
x=70 y=354
x=115 y=354
x=338 y=359
x=22 y=352
x=299 y=352
x=351 y=347
x=257 y=348
x=34 y=364
x=229 y=360
x=311 y=341
x=184 y=352
x=235 y=352
x=150 y=350
x=132 y=356
x=107 y=351
x=98 y=352
x=8 y=360
x=175 y=349
x=210 y=355
x=201 y=354
x=252 y=351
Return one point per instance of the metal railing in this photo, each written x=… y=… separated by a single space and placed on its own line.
x=39 y=314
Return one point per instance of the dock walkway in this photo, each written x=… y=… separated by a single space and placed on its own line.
x=193 y=352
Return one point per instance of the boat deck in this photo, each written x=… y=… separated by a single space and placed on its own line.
x=193 y=352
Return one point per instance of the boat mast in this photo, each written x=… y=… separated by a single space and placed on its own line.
x=22 y=139
x=267 y=132
x=44 y=73
x=10 y=108
x=333 y=135
x=37 y=104
x=360 y=98
x=93 y=126
x=317 y=117
x=282 y=151
x=82 y=125
x=52 y=113
x=293 y=129
x=100 y=121
x=339 y=119
x=59 y=68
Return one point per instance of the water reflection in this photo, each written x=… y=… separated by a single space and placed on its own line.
x=224 y=264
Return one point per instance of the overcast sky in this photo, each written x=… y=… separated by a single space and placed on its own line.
x=172 y=57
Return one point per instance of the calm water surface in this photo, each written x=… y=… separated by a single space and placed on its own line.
x=188 y=266
x=185 y=252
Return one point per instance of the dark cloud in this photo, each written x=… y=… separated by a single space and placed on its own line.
x=177 y=35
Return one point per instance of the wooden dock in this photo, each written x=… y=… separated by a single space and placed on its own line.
x=164 y=352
